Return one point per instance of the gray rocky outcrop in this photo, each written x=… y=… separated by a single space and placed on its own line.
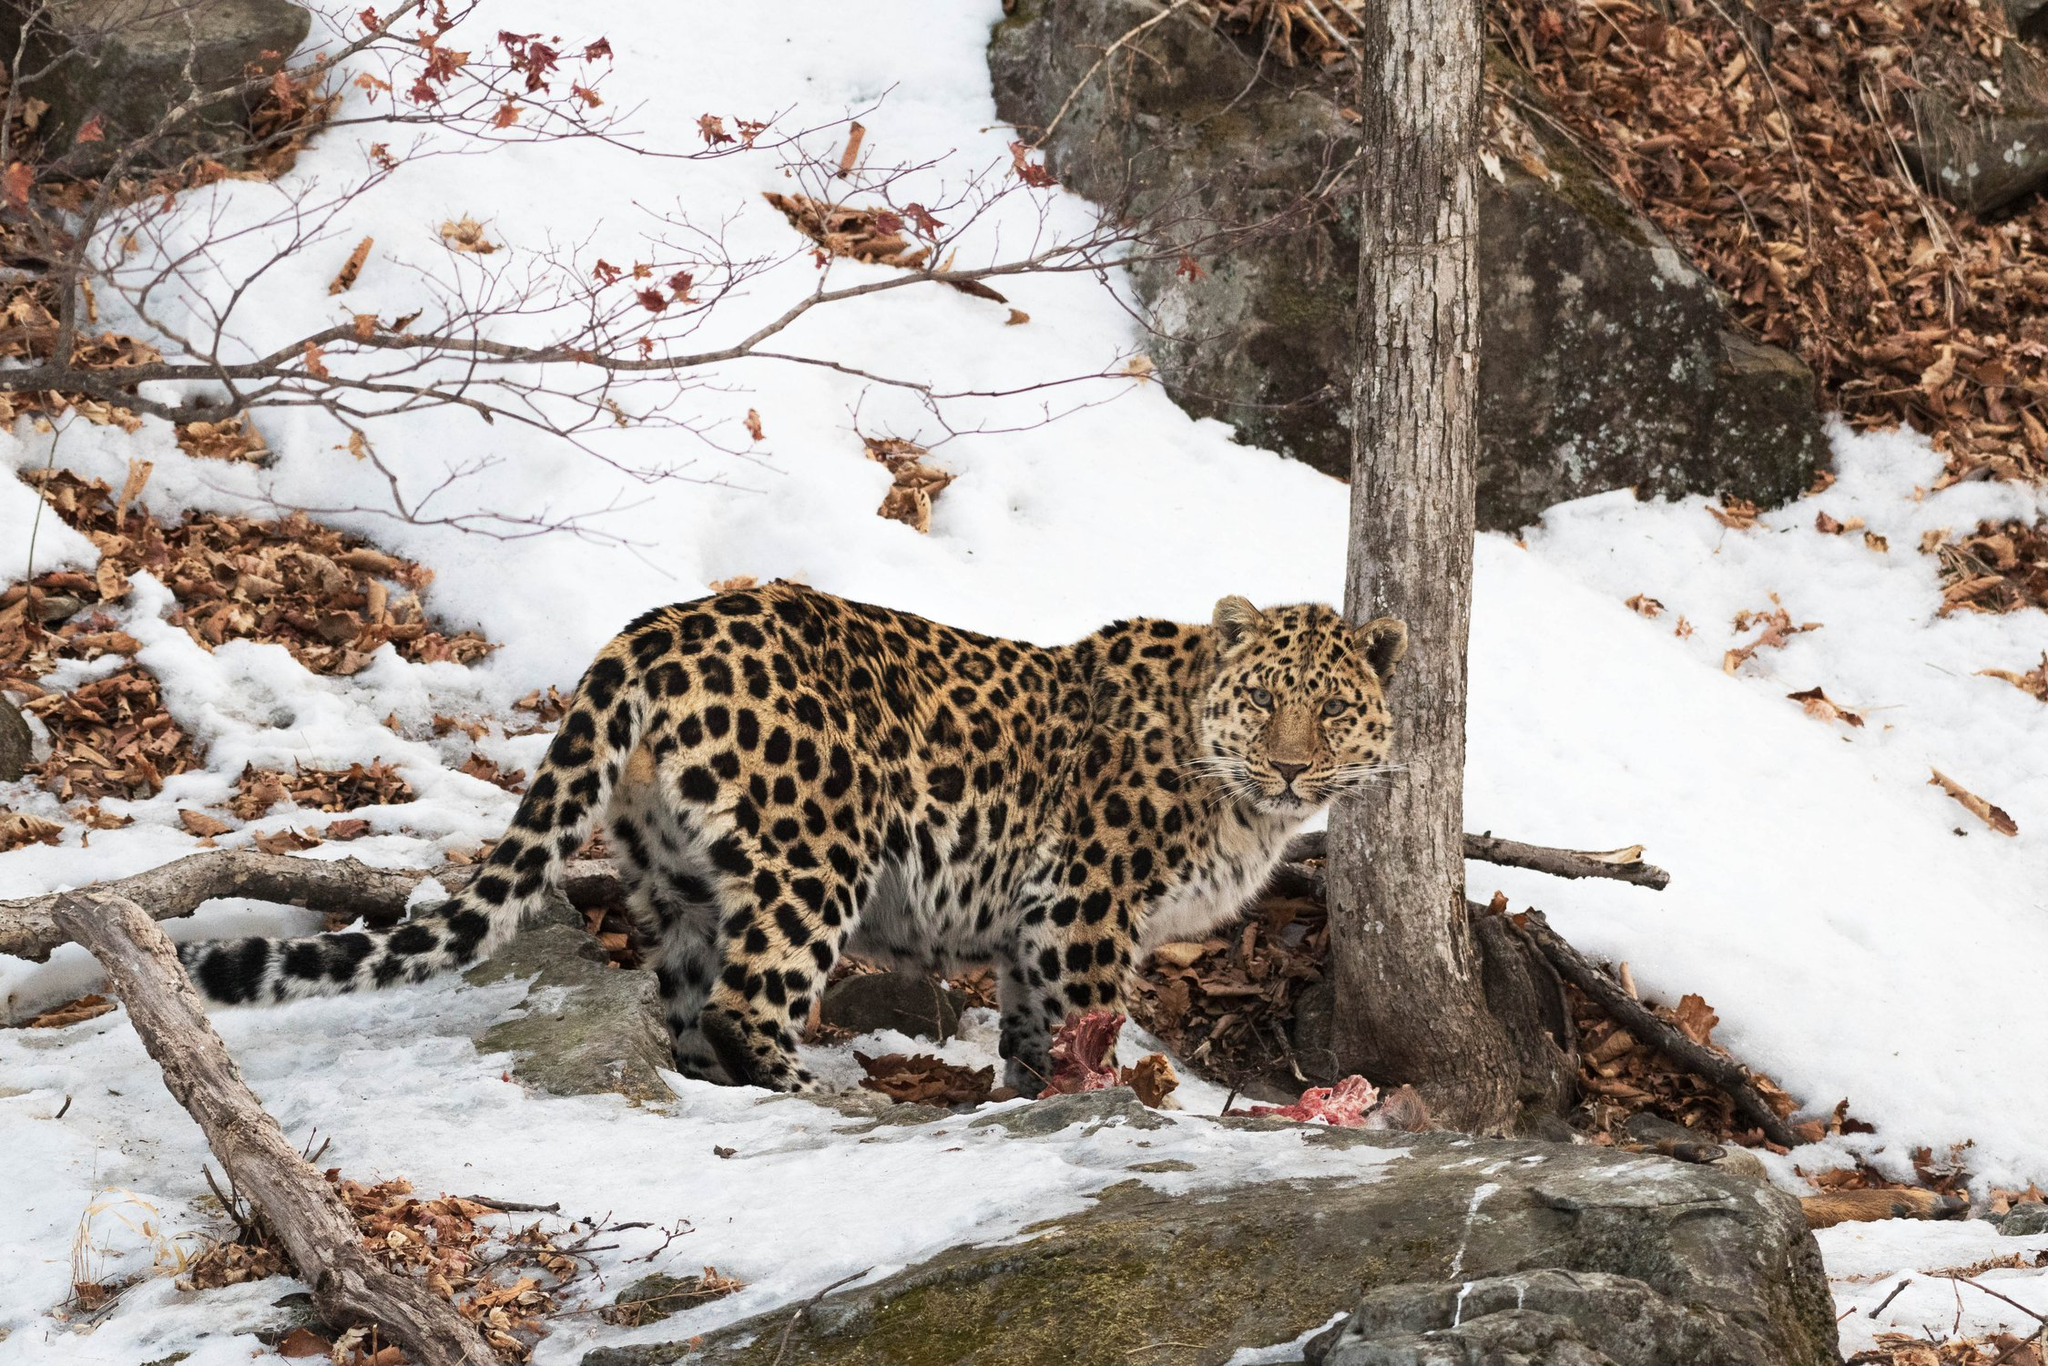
x=131 y=62
x=1608 y=360
x=1457 y=1249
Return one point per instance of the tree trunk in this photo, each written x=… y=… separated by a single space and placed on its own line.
x=1411 y=1006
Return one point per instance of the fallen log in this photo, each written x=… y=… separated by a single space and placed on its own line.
x=29 y=929
x=1622 y=865
x=1718 y=1068
x=349 y=1286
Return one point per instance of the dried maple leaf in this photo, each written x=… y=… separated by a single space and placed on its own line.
x=733 y=584
x=1993 y=816
x=1696 y=1018
x=1776 y=626
x=1644 y=605
x=754 y=425
x=1824 y=708
x=926 y=1080
x=18 y=829
x=1152 y=1077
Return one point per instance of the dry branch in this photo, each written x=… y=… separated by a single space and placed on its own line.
x=29 y=928
x=309 y=1219
x=1623 y=865
x=1718 y=1068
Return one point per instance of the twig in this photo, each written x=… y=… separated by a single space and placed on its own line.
x=1637 y=1018
x=512 y=1206
x=782 y=1347
x=1623 y=865
x=1886 y=1302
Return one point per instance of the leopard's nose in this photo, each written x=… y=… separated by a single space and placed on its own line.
x=1288 y=772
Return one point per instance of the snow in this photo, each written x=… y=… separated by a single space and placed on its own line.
x=1859 y=933
x=1868 y=1262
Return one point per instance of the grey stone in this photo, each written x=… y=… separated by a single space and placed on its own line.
x=1096 y=1109
x=127 y=61
x=59 y=607
x=1548 y=1315
x=1607 y=360
x=17 y=743
x=1981 y=164
x=2026 y=1218
x=585 y=1026
x=907 y=1002
x=1582 y=1255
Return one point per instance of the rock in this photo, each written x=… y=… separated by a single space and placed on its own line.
x=1653 y=1130
x=125 y=60
x=2024 y=1219
x=1608 y=361
x=1614 y=1257
x=56 y=607
x=1980 y=164
x=1557 y=1318
x=17 y=744
x=655 y=1297
x=907 y=1002
x=585 y=1026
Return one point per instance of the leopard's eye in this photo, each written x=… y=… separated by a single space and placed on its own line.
x=1334 y=707
x=1262 y=698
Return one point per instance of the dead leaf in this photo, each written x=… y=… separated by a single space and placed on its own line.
x=203 y=825
x=1644 y=605
x=1983 y=810
x=1824 y=708
x=89 y=1007
x=754 y=425
x=466 y=234
x=2034 y=682
x=351 y=268
x=925 y=1080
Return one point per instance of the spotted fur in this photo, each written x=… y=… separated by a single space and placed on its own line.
x=786 y=776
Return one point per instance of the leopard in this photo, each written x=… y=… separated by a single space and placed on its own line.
x=785 y=777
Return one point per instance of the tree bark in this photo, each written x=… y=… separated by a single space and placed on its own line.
x=349 y=1286
x=1410 y=1003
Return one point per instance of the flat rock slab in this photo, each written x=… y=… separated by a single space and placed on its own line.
x=585 y=1026
x=907 y=1002
x=1582 y=1255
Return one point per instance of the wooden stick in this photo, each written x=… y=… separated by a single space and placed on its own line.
x=1667 y=1039
x=349 y=1286
x=1623 y=865
x=29 y=929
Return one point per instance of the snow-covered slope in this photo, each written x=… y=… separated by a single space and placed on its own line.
x=1852 y=942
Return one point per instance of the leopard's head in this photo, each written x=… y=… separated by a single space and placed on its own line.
x=1296 y=713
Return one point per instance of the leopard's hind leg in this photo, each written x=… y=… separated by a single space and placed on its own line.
x=786 y=918
x=670 y=899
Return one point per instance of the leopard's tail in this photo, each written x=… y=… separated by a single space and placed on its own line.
x=566 y=799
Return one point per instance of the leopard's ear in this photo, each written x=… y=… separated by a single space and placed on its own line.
x=1235 y=619
x=1384 y=643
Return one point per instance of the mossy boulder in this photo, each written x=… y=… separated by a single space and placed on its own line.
x=1607 y=360
x=1693 y=1264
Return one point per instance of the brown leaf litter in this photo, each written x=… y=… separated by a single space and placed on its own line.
x=439 y=1243
x=1994 y=569
x=1767 y=140
x=328 y=597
